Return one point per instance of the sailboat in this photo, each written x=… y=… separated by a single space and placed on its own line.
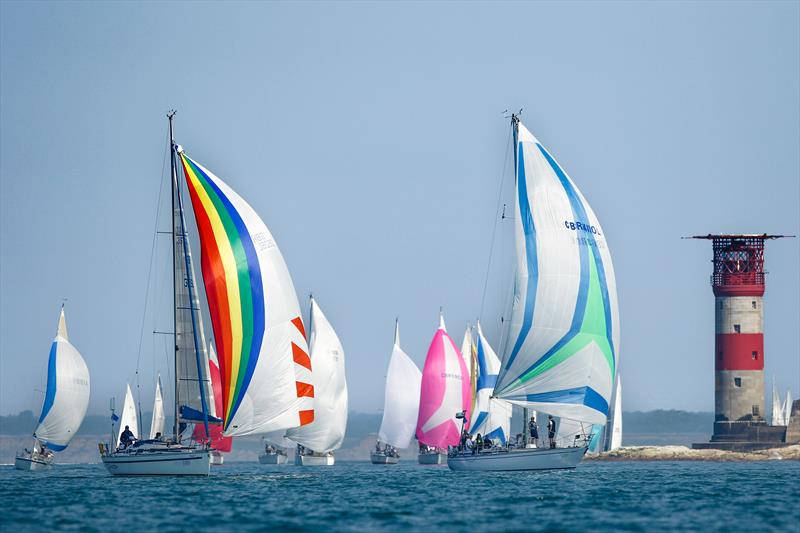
x=275 y=449
x=492 y=416
x=400 y=406
x=219 y=443
x=318 y=440
x=65 y=403
x=560 y=349
x=614 y=425
x=128 y=418
x=258 y=331
x=777 y=407
x=445 y=398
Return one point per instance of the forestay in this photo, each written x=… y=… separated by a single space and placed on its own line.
x=560 y=353
x=492 y=416
x=445 y=392
x=401 y=401
x=259 y=335
x=67 y=394
x=326 y=432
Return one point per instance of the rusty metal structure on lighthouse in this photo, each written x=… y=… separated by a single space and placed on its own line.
x=738 y=284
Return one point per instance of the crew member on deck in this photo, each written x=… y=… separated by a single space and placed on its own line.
x=551 y=430
x=126 y=438
x=534 y=429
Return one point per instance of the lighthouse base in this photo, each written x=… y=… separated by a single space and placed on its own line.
x=744 y=436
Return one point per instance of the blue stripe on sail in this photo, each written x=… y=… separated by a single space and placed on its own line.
x=580 y=214
x=578 y=396
x=478 y=421
x=55 y=447
x=485 y=380
x=498 y=433
x=50 y=395
x=530 y=255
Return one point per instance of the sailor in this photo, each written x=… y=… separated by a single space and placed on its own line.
x=158 y=435
x=551 y=430
x=534 y=430
x=464 y=438
x=478 y=444
x=126 y=438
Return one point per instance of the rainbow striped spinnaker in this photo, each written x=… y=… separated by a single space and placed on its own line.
x=259 y=334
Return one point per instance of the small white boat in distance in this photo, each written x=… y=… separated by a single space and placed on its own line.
x=275 y=446
x=65 y=403
x=216 y=458
x=504 y=459
x=400 y=407
x=315 y=459
x=278 y=457
x=432 y=456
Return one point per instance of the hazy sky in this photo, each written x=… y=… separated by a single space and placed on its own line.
x=370 y=138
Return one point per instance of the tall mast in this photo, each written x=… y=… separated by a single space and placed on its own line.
x=174 y=175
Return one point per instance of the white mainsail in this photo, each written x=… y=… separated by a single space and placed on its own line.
x=787 y=408
x=777 y=408
x=128 y=416
x=561 y=349
x=615 y=422
x=157 y=423
x=326 y=432
x=401 y=400
x=67 y=395
x=491 y=416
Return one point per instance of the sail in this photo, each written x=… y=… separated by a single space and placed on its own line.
x=491 y=416
x=445 y=392
x=401 y=399
x=615 y=422
x=67 y=395
x=259 y=335
x=326 y=432
x=128 y=416
x=466 y=354
x=190 y=344
x=278 y=438
x=777 y=408
x=218 y=441
x=560 y=354
x=157 y=423
x=787 y=408
x=570 y=432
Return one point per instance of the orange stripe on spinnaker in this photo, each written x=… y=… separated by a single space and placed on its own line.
x=306 y=417
x=304 y=389
x=300 y=357
x=298 y=323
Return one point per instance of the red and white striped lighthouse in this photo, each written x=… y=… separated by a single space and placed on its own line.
x=738 y=284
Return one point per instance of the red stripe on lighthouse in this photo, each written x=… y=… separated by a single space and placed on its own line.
x=739 y=351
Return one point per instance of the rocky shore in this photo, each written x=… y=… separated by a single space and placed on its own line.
x=682 y=453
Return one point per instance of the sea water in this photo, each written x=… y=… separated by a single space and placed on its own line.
x=358 y=496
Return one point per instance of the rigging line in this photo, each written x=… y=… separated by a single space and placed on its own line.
x=147 y=287
x=494 y=228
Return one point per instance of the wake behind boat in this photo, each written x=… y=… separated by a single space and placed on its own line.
x=560 y=351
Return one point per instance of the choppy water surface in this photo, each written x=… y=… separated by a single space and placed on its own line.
x=361 y=497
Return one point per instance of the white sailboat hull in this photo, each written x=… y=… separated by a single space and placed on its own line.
x=383 y=459
x=526 y=459
x=36 y=462
x=314 y=460
x=433 y=458
x=216 y=458
x=272 y=459
x=159 y=463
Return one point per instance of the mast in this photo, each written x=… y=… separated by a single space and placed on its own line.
x=173 y=174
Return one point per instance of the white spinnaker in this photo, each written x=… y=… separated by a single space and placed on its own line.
x=777 y=407
x=567 y=430
x=157 y=423
x=128 y=415
x=491 y=416
x=278 y=438
x=270 y=402
x=67 y=395
x=326 y=432
x=401 y=399
x=558 y=356
x=787 y=408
